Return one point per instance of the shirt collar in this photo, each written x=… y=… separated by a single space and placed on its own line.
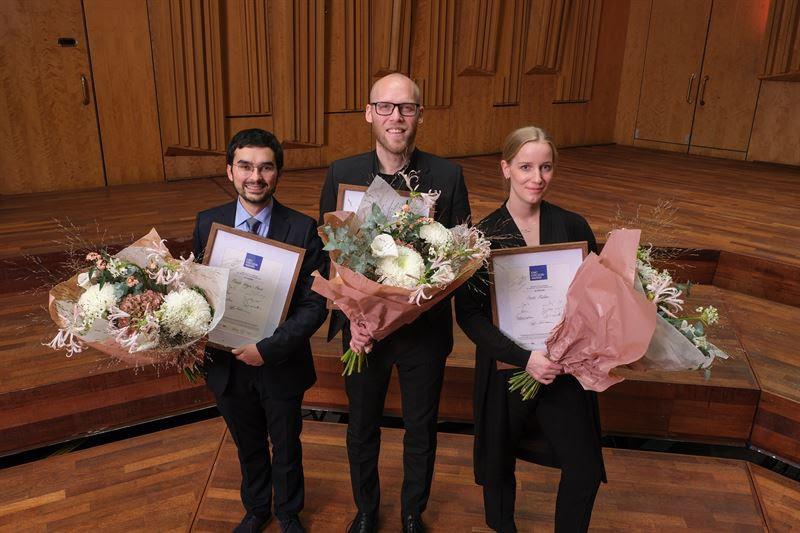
x=242 y=215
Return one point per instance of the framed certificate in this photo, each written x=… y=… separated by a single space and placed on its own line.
x=263 y=274
x=348 y=197
x=528 y=288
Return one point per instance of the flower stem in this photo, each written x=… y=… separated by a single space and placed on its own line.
x=525 y=384
x=353 y=361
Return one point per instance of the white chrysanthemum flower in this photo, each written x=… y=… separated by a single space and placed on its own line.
x=185 y=312
x=436 y=235
x=383 y=245
x=94 y=303
x=401 y=271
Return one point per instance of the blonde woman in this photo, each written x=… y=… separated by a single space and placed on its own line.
x=560 y=426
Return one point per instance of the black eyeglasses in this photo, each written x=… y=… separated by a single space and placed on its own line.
x=407 y=109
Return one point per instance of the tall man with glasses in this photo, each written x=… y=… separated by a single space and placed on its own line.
x=259 y=387
x=418 y=350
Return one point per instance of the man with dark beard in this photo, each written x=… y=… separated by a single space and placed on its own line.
x=259 y=387
x=418 y=350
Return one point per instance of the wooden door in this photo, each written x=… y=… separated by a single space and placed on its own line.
x=673 y=62
x=48 y=122
x=729 y=85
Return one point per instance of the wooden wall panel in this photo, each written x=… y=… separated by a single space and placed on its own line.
x=299 y=30
x=434 y=45
x=186 y=39
x=122 y=65
x=303 y=69
x=391 y=36
x=509 y=71
x=480 y=22
x=546 y=36
x=48 y=125
x=348 y=50
x=776 y=135
x=245 y=37
x=576 y=79
x=783 y=52
x=632 y=71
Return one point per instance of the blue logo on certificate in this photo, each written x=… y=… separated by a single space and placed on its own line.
x=253 y=261
x=538 y=272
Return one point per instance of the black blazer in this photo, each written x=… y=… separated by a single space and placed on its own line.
x=452 y=208
x=287 y=353
x=474 y=315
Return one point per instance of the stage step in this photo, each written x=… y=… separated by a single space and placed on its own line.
x=187 y=479
x=672 y=405
x=47 y=397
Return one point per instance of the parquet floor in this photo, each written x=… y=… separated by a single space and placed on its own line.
x=187 y=478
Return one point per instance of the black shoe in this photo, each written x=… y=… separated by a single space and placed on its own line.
x=291 y=525
x=363 y=523
x=252 y=523
x=413 y=524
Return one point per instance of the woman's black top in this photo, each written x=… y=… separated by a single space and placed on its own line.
x=474 y=315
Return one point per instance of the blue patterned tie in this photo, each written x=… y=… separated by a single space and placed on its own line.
x=253 y=224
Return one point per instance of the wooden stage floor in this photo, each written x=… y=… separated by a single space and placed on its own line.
x=735 y=206
x=744 y=216
x=187 y=478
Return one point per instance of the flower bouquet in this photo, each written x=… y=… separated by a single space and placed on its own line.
x=392 y=261
x=140 y=306
x=621 y=311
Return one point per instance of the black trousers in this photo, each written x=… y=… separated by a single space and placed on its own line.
x=252 y=416
x=420 y=370
x=561 y=412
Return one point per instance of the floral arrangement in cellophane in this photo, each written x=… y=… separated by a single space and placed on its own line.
x=140 y=306
x=393 y=261
x=606 y=286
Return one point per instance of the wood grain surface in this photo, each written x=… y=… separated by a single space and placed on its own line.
x=187 y=478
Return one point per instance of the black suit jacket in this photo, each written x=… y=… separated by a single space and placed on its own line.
x=287 y=353
x=474 y=315
x=452 y=208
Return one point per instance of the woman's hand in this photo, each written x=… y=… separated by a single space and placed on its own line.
x=360 y=341
x=541 y=368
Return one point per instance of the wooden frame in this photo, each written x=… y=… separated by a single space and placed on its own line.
x=342 y=191
x=533 y=251
x=263 y=246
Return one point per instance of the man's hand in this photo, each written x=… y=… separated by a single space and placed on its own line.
x=248 y=354
x=541 y=368
x=360 y=341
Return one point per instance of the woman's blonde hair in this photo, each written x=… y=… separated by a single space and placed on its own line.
x=519 y=137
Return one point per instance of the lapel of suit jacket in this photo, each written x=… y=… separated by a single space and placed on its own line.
x=420 y=164
x=279 y=222
x=228 y=215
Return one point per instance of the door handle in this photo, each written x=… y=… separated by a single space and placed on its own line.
x=85 y=90
x=703 y=91
x=689 y=89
